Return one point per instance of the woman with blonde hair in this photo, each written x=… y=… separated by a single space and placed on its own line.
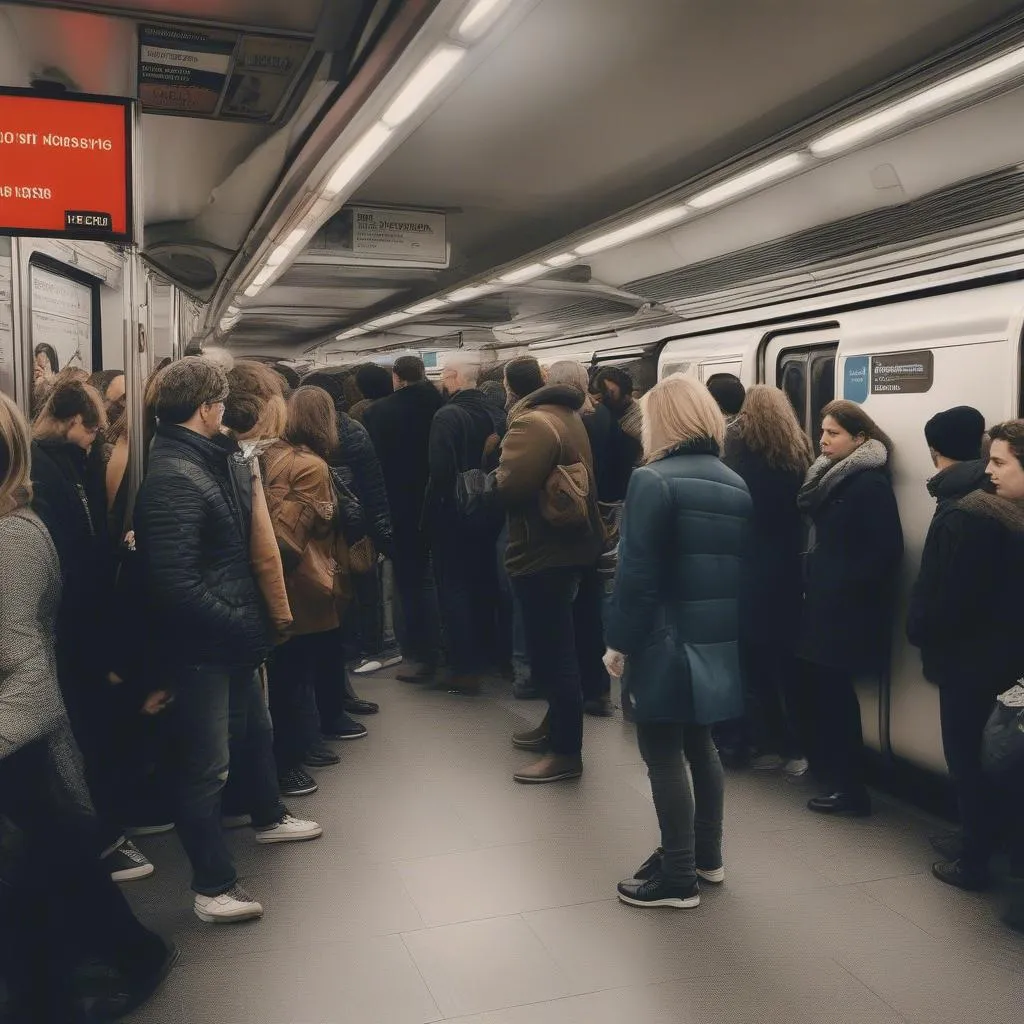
x=767 y=447
x=673 y=614
x=63 y=888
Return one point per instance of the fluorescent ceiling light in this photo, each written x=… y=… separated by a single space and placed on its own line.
x=563 y=260
x=356 y=159
x=387 y=321
x=473 y=291
x=527 y=273
x=253 y=290
x=285 y=249
x=749 y=180
x=430 y=306
x=352 y=332
x=929 y=99
x=232 y=311
x=424 y=81
x=480 y=17
x=646 y=226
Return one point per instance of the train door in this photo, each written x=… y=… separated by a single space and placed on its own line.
x=709 y=367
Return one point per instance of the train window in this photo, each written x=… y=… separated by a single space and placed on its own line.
x=807 y=375
x=793 y=380
x=823 y=390
x=670 y=368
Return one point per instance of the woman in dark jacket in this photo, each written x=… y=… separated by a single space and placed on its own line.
x=674 y=615
x=767 y=447
x=857 y=543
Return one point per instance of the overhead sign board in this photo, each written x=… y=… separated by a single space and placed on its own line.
x=203 y=72
x=65 y=166
x=375 y=236
x=902 y=373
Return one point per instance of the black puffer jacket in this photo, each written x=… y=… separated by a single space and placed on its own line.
x=357 y=455
x=192 y=522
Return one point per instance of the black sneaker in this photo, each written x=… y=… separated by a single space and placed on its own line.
x=127 y=863
x=651 y=867
x=657 y=892
x=321 y=757
x=599 y=707
x=358 y=706
x=961 y=875
x=850 y=805
x=297 y=783
x=344 y=728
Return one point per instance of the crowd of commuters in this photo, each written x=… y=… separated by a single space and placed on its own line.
x=184 y=662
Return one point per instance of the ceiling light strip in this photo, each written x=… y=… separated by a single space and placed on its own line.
x=422 y=84
x=637 y=229
x=763 y=174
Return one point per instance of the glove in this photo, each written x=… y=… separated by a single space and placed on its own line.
x=615 y=663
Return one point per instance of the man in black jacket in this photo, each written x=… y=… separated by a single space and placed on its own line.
x=208 y=631
x=399 y=426
x=964 y=616
x=462 y=436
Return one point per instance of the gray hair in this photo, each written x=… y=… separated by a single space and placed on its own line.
x=467 y=369
x=569 y=371
x=188 y=384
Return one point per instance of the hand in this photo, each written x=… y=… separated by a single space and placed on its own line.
x=157 y=701
x=615 y=663
x=114 y=679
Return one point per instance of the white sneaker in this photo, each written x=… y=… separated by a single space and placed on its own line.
x=127 y=863
x=289 y=830
x=715 y=875
x=766 y=762
x=374 y=663
x=227 y=908
x=796 y=766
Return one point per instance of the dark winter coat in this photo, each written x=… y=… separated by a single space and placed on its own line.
x=192 y=526
x=965 y=613
x=545 y=431
x=772 y=583
x=850 y=573
x=458 y=441
x=674 y=611
x=622 y=455
x=357 y=454
x=399 y=426
x=60 y=499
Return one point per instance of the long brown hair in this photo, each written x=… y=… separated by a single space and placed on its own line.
x=768 y=426
x=312 y=422
x=15 y=458
x=69 y=399
x=855 y=421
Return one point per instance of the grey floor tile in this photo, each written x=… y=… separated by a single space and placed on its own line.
x=368 y=982
x=485 y=965
x=968 y=922
x=939 y=986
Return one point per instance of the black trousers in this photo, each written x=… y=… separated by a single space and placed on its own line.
x=838 y=754
x=588 y=626
x=61 y=906
x=292 y=673
x=773 y=699
x=417 y=593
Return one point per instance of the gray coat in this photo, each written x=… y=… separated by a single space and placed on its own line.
x=31 y=706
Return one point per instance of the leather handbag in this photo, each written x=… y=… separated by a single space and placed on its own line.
x=362 y=555
x=565 y=496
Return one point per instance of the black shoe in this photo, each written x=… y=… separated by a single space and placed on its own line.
x=423 y=676
x=651 y=867
x=657 y=892
x=955 y=872
x=358 y=706
x=850 y=805
x=599 y=707
x=132 y=992
x=127 y=863
x=320 y=757
x=948 y=845
x=297 y=783
x=345 y=728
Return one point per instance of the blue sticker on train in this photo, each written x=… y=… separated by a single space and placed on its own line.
x=855 y=378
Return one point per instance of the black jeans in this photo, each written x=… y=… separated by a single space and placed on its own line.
x=467 y=586
x=773 y=699
x=61 y=905
x=417 y=593
x=839 y=756
x=219 y=718
x=328 y=654
x=588 y=624
x=547 y=601
x=292 y=673
x=690 y=816
x=964 y=707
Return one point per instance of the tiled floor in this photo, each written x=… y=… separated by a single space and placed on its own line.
x=443 y=891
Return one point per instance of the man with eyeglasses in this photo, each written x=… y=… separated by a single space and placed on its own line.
x=208 y=632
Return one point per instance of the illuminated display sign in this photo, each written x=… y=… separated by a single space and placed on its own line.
x=65 y=166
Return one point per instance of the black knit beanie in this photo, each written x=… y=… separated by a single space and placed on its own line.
x=956 y=433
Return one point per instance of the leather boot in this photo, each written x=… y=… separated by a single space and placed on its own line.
x=533 y=739
x=551 y=768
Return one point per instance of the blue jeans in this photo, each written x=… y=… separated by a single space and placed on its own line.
x=219 y=718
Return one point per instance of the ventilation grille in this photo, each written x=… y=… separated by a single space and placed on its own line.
x=989 y=198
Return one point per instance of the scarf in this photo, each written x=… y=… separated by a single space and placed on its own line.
x=825 y=476
x=632 y=421
x=1009 y=514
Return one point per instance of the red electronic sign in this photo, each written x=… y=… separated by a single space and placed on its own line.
x=65 y=166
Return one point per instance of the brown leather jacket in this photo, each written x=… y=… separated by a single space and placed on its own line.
x=300 y=497
x=265 y=557
x=544 y=431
